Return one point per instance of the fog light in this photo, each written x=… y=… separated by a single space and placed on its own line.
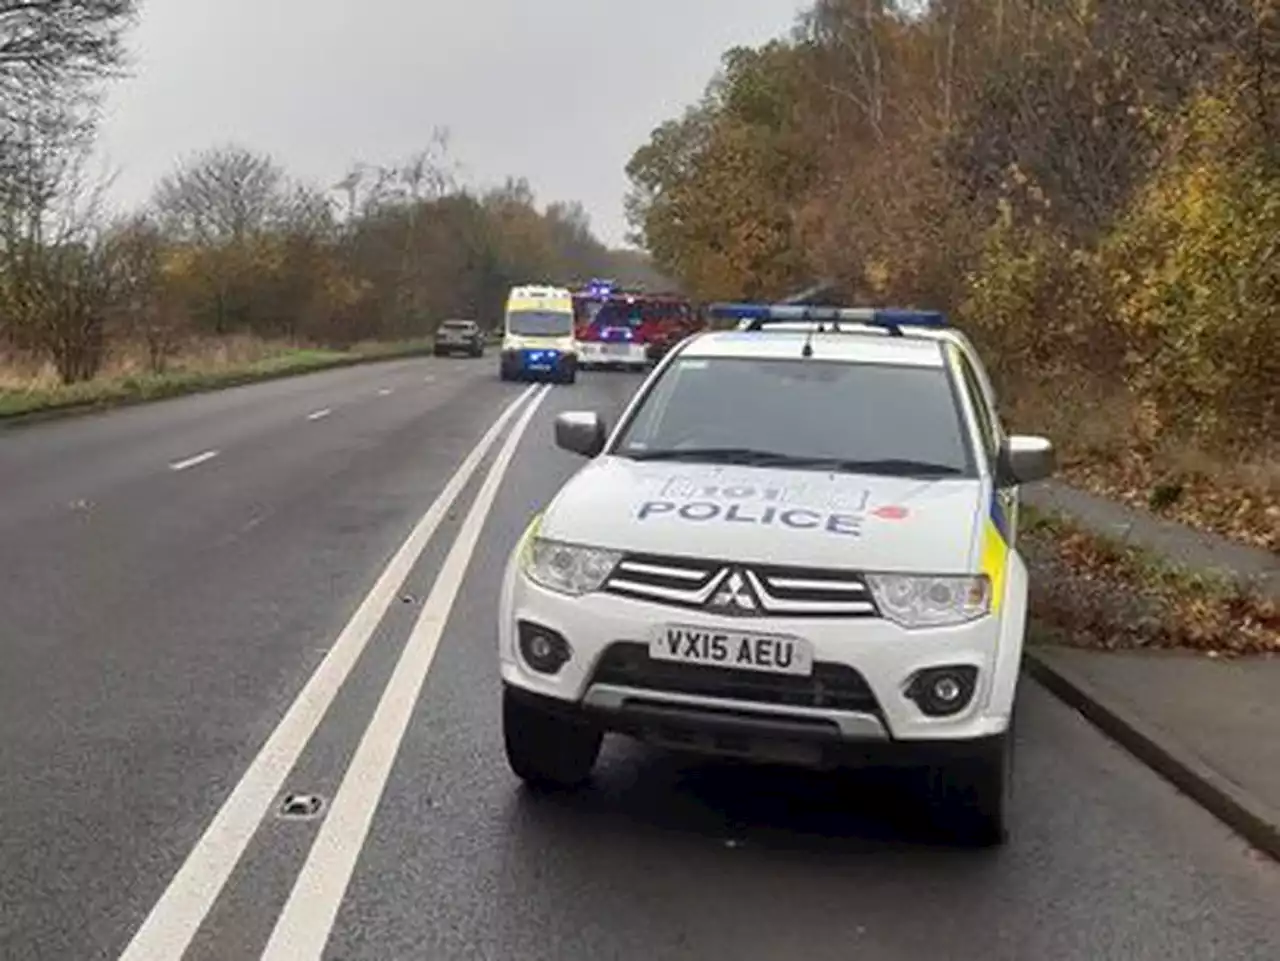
x=943 y=691
x=543 y=649
x=946 y=689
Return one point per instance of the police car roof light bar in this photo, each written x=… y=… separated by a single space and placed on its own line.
x=892 y=319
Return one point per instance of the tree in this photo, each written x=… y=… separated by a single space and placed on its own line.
x=144 y=297
x=224 y=195
x=227 y=203
x=1089 y=187
x=53 y=53
x=715 y=194
x=60 y=294
x=60 y=41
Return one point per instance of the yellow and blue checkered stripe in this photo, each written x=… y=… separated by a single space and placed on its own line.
x=996 y=526
x=995 y=547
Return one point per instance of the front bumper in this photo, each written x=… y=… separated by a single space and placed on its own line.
x=878 y=718
x=616 y=352
x=539 y=362
x=744 y=736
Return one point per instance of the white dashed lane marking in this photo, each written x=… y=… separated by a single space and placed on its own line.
x=319 y=414
x=193 y=461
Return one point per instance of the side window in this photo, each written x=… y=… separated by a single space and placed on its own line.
x=1006 y=499
x=986 y=420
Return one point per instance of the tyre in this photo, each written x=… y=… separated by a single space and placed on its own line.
x=546 y=751
x=973 y=793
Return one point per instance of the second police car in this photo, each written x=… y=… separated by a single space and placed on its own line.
x=798 y=545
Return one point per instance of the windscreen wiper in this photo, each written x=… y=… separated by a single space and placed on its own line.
x=725 y=455
x=753 y=456
x=892 y=466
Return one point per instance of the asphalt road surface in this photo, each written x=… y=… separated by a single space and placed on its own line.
x=214 y=602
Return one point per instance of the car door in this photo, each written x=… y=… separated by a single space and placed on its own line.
x=993 y=437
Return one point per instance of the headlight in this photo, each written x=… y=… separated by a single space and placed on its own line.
x=913 y=601
x=568 y=568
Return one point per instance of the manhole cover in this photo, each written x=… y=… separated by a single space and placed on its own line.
x=301 y=805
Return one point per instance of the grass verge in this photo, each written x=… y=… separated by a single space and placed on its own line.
x=1112 y=445
x=1094 y=591
x=43 y=399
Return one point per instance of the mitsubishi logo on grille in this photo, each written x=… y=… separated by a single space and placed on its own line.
x=735 y=593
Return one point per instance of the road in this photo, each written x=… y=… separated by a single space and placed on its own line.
x=192 y=601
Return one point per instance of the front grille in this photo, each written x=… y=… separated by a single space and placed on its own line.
x=774 y=591
x=831 y=686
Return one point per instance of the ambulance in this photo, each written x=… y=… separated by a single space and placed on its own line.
x=538 y=339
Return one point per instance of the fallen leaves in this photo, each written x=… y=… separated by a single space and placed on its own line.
x=1239 y=504
x=1099 y=592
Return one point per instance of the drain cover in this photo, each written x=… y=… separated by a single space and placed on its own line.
x=301 y=805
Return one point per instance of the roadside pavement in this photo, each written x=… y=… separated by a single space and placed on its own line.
x=1180 y=544
x=1209 y=725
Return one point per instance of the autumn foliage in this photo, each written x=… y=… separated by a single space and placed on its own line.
x=231 y=247
x=1091 y=189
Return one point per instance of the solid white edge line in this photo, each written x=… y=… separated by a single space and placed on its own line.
x=320 y=414
x=176 y=917
x=303 y=927
x=193 y=461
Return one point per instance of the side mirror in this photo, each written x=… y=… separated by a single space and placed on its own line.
x=1025 y=459
x=580 y=431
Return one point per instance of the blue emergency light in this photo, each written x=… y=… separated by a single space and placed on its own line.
x=891 y=319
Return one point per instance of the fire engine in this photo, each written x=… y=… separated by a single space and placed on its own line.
x=615 y=327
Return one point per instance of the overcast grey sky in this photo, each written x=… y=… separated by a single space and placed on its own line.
x=558 y=91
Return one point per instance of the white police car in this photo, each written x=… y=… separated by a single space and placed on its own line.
x=798 y=546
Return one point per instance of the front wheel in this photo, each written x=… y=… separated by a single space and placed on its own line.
x=546 y=751
x=973 y=793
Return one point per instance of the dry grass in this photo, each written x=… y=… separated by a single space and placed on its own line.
x=1113 y=446
x=19 y=373
x=28 y=387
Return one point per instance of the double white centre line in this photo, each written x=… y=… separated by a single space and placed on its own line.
x=174 y=920
x=303 y=927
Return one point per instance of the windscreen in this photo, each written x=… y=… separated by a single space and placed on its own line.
x=457 y=325
x=873 y=418
x=540 y=323
x=617 y=314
